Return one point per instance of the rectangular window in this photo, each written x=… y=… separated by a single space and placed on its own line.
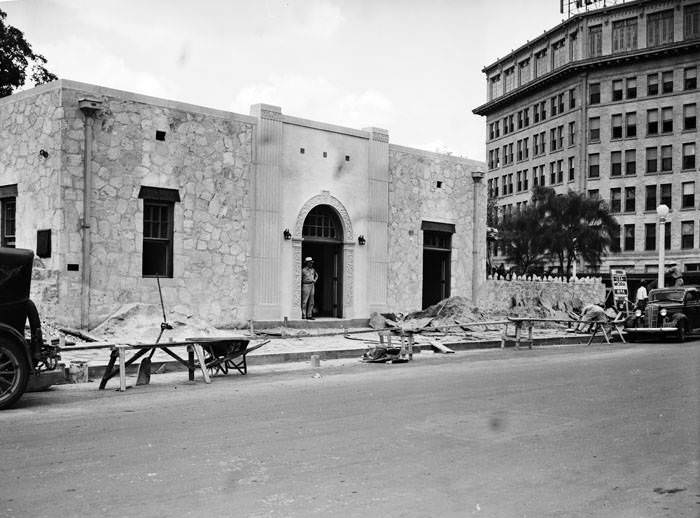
x=615 y=199
x=526 y=117
x=691 y=21
x=560 y=171
x=560 y=100
x=689 y=155
x=552 y=174
x=543 y=110
x=617 y=90
x=631 y=124
x=572 y=98
x=650 y=236
x=510 y=183
x=560 y=136
x=491 y=131
x=559 y=53
x=652 y=122
x=535 y=114
x=536 y=145
x=615 y=239
x=158 y=222
x=650 y=197
x=687 y=234
x=665 y=195
x=667 y=236
x=652 y=159
x=631 y=162
x=666 y=158
x=629 y=237
x=593 y=193
x=630 y=199
x=616 y=126
x=689 y=117
x=594 y=165
x=524 y=69
x=520 y=119
x=526 y=143
x=594 y=129
x=690 y=78
x=509 y=80
x=542 y=175
x=505 y=125
x=631 y=87
x=553 y=139
x=519 y=153
x=572 y=172
x=495 y=86
x=497 y=127
x=624 y=35
x=594 y=93
x=616 y=163
x=688 y=197
x=157 y=238
x=541 y=63
x=525 y=181
x=667 y=82
x=572 y=133
x=667 y=120
x=543 y=143
x=653 y=84
x=660 y=28
x=519 y=181
x=595 y=41
x=8 y=215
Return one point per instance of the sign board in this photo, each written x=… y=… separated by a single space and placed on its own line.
x=619 y=289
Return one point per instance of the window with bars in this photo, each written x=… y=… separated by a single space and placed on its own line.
x=322 y=223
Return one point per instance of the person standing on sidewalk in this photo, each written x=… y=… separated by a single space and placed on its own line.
x=308 y=281
x=642 y=296
x=676 y=274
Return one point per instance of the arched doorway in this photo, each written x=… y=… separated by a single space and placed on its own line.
x=322 y=239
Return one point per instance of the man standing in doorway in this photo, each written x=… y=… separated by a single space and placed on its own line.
x=308 y=280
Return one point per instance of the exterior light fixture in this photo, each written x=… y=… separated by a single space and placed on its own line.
x=287 y=234
x=662 y=213
x=361 y=241
x=43 y=153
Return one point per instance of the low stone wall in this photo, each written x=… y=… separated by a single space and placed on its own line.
x=558 y=295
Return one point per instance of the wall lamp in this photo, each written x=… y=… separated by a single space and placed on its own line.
x=287 y=234
x=361 y=241
x=43 y=153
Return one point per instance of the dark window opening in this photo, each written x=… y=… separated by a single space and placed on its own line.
x=8 y=212
x=157 y=257
x=347 y=158
x=302 y=150
x=160 y=135
x=438 y=184
x=43 y=243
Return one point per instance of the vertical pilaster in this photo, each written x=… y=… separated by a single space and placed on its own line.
x=378 y=220
x=265 y=281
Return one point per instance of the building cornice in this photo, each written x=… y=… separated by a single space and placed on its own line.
x=584 y=65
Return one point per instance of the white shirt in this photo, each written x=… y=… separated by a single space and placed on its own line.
x=641 y=293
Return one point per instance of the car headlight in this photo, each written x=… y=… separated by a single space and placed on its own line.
x=663 y=312
x=638 y=313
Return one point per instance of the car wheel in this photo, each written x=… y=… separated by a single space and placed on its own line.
x=681 y=332
x=14 y=372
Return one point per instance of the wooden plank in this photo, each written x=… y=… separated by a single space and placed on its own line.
x=122 y=367
x=202 y=364
x=441 y=348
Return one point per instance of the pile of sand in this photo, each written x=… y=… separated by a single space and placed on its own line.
x=141 y=323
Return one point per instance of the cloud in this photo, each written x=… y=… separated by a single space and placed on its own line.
x=322 y=20
x=319 y=99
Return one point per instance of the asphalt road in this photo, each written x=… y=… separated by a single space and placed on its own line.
x=571 y=431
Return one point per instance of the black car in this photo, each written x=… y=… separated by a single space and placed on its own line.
x=670 y=312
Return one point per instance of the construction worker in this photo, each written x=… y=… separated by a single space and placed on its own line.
x=642 y=296
x=675 y=272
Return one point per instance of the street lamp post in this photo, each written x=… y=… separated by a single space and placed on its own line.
x=662 y=212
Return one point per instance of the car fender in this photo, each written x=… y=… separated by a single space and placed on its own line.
x=680 y=319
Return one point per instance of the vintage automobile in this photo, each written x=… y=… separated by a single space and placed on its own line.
x=670 y=312
x=21 y=358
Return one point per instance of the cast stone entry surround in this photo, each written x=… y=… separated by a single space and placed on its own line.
x=325 y=198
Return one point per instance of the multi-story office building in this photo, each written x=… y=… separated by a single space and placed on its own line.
x=606 y=104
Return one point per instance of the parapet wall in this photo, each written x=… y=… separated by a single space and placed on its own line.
x=555 y=294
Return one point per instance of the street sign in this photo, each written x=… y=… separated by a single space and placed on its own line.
x=619 y=289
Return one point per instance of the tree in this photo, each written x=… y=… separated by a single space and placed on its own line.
x=574 y=226
x=17 y=60
x=523 y=240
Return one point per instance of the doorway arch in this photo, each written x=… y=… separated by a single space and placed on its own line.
x=323 y=228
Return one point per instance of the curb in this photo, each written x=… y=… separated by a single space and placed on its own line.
x=97 y=371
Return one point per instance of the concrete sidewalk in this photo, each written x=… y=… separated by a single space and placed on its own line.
x=329 y=344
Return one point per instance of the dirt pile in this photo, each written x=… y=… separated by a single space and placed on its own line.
x=141 y=322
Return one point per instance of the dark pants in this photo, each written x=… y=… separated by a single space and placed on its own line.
x=307 y=300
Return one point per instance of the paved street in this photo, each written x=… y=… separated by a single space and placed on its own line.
x=571 y=431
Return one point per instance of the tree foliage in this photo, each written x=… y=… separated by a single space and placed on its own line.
x=560 y=228
x=18 y=62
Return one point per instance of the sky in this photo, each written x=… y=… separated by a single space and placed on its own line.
x=412 y=67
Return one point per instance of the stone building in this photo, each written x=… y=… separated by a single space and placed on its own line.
x=113 y=189
x=605 y=103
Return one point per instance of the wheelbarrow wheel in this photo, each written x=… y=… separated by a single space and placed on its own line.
x=14 y=372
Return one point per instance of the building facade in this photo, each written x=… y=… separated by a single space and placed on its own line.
x=113 y=189
x=606 y=104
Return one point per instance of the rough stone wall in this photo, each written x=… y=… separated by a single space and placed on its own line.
x=207 y=157
x=414 y=197
x=502 y=295
x=29 y=123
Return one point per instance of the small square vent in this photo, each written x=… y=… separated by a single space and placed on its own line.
x=160 y=135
